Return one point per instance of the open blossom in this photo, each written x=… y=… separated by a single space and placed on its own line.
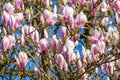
x=67 y=13
x=21 y=60
x=80 y=20
x=5 y=44
x=47 y=15
x=50 y=17
x=9 y=8
x=96 y=36
x=112 y=35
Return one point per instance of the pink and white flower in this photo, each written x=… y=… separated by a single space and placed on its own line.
x=9 y=8
x=22 y=60
x=80 y=20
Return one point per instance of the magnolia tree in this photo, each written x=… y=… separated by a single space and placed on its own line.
x=39 y=38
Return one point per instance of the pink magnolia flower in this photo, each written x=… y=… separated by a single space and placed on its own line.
x=50 y=17
x=67 y=13
x=31 y=32
x=19 y=17
x=96 y=36
x=5 y=44
x=89 y=56
x=117 y=6
x=65 y=66
x=56 y=44
x=36 y=36
x=84 y=54
x=79 y=63
x=11 y=41
x=42 y=20
x=18 y=4
x=12 y=22
x=94 y=52
x=68 y=44
x=71 y=23
x=47 y=15
x=104 y=6
x=101 y=46
x=63 y=32
x=45 y=44
x=82 y=1
x=22 y=40
x=80 y=20
x=112 y=35
x=76 y=37
x=21 y=60
x=60 y=61
x=5 y=18
x=9 y=8
x=53 y=18
x=25 y=30
x=68 y=54
x=45 y=33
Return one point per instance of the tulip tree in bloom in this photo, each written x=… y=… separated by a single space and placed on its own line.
x=60 y=39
